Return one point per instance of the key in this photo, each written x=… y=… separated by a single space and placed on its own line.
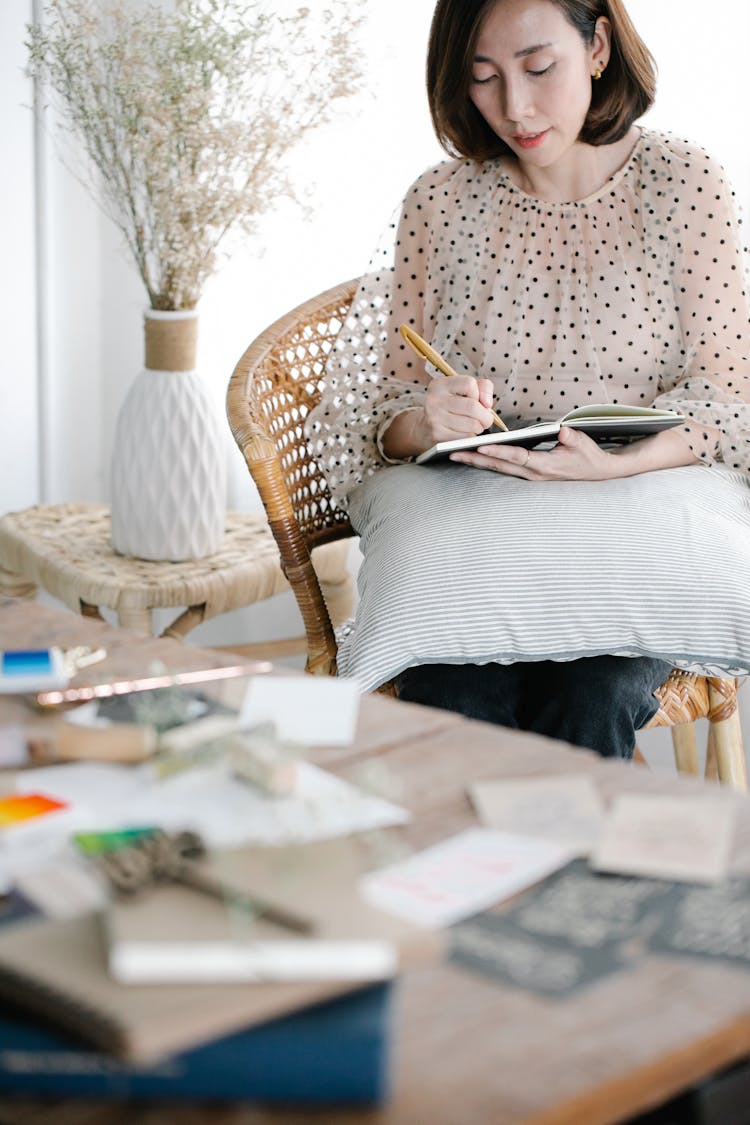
x=161 y=857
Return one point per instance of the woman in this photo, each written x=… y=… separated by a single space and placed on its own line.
x=566 y=256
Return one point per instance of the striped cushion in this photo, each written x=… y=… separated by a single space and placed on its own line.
x=462 y=565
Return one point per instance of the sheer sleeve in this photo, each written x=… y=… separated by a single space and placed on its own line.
x=711 y=292
x=371 y=374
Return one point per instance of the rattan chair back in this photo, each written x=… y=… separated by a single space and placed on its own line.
x=274 y=387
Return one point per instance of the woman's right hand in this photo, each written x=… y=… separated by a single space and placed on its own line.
x=455 y=407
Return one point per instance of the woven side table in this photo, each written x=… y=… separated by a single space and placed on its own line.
x=66 y=549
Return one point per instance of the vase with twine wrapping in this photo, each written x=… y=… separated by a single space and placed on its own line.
x=168 y=473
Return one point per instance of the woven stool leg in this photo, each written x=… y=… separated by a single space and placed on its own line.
x=685 y=749
x=711 y=772
x=15 y=585
x=186 y=621
x=131 y=617
x=730 y=754
x=88 y=610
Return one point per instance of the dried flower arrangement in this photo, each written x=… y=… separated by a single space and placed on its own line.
x=186 y=112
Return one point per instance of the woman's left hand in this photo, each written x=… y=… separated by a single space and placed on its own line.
x=575 y=457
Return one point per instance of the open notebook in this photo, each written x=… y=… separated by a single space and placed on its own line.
x=601 y=421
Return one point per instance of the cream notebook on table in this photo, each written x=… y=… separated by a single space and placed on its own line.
x=171 y=934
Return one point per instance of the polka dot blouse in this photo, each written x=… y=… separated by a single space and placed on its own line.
x=636 y=294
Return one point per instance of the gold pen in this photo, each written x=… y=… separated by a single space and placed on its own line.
x=423 y=349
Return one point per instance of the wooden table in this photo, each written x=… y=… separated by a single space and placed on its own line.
x=66 y=549
x=471 y=1051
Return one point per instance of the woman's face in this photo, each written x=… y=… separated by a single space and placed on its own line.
x=531 y=77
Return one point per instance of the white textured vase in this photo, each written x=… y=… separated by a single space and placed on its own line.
x=168 y=472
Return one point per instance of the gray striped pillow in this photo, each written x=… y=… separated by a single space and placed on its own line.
x=462 y=565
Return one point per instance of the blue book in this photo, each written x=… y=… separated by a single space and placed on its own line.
x=335 y=1052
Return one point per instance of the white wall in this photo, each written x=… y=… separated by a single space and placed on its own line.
x=702 y=91
x=19 y=398
x=74 y=348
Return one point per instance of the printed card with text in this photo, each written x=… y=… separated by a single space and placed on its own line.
x=684 y=838
x=568 y=810
x=462 y=875
x=570 y=931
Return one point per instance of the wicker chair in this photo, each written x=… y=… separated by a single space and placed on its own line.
x=274 y=386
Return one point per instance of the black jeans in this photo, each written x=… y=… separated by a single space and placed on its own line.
x=599 y=702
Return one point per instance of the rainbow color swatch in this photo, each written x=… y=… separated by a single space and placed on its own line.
x=18 y=808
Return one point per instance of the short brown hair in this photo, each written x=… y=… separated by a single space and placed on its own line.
x=624 y=93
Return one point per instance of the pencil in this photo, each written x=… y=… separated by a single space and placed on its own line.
x=423 y=349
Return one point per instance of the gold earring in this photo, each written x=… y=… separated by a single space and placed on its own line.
x=598 y=72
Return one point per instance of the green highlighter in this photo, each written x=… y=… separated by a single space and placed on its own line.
x=100 y=843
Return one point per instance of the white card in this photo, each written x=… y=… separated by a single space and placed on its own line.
x=309 y=710
x=461 y=876
x=13 y=749
x=684 y=838
x=567 y=809
x=63 y=888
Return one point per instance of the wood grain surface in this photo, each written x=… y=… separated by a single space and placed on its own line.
x=469 y=1050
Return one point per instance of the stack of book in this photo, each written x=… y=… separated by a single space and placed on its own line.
x=334 y=1052
x=213 y=1006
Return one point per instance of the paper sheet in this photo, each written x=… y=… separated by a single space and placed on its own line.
x=462 y=875
x=210 y=800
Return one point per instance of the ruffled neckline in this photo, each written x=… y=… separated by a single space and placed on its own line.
x=605 y=189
